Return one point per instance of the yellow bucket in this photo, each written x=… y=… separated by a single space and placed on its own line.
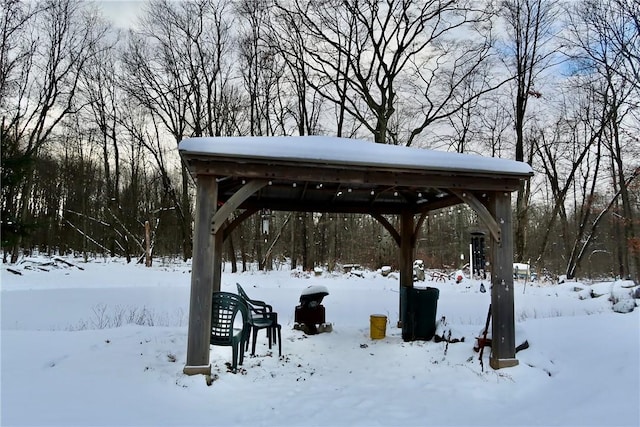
x=378 y=326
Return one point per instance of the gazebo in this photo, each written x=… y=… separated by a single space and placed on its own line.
x=330 y=174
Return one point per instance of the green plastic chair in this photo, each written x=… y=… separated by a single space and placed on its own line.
x=261 y=316
x=224 y=325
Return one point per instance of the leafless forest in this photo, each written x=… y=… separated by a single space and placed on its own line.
x=92 y=115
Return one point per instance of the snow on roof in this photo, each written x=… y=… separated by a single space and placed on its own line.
x=346 y=151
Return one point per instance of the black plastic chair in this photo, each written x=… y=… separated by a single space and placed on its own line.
x=261 y=316
x=224 y=325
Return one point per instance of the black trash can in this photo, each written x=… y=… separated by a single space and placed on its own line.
x=419 y=307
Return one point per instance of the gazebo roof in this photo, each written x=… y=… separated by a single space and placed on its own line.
x=329 y=174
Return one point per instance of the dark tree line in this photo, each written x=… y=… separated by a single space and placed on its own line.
x=91 y=118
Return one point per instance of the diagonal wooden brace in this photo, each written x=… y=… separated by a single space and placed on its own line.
x=234 y=202
x=482 y=212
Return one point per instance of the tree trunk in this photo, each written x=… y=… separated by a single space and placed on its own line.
x=232 y=254
x=294 y=241
x=306 y=250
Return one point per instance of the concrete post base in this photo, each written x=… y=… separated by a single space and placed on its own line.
x=502 y=363
x=197 y=370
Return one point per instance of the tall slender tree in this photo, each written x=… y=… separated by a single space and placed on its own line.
x=606 y=37
x=532 y=27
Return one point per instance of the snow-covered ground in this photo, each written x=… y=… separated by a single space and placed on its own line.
x=103 y=343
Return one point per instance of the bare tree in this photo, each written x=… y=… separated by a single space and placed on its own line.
x=494 y=123
x=607 y=42
x=15 y=46
x=465 y=122
x=368 y=57
x=101 y=92
x=41 y=73
x=262 y=70
x=205 y=44
x=569 y=153
x=163 y=63
x=305 y=105
x=614 y=24
x=179 y=69
x=532 y=29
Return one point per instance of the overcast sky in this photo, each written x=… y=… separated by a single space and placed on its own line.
x=121 y=12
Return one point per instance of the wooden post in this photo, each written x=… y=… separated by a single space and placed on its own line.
x=407 y=242
x=218 y=247
x=147 y=239
x=202 y=277
x=503 y=341
x=406 y=249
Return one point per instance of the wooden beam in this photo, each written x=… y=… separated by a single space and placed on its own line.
x=234 y=203
x=416 y=232
x=202 y=275
x=381 y=208
x=320 y=206
x=503 y=341
x=296 y=172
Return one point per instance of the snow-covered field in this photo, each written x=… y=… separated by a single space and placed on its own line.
x=103 y=343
